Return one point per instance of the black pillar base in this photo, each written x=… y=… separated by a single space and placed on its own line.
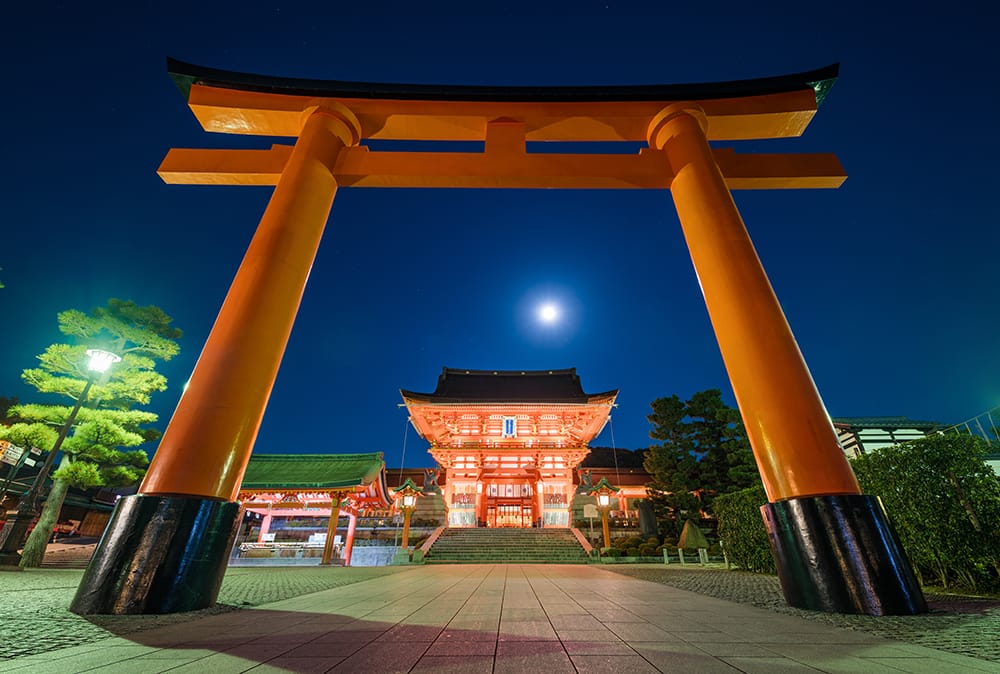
x=159 y=554
x=840 y=554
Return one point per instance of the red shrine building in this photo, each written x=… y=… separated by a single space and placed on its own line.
x=508 y=442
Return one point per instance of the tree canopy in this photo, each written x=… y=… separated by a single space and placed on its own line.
x=703 y=452
x=96 y=453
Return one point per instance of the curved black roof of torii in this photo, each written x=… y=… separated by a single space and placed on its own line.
x=187 y=74
x=508 y=386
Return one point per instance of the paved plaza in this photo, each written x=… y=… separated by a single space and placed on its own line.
x=493 y=618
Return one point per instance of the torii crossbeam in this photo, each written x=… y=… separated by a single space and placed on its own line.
x=834 y=547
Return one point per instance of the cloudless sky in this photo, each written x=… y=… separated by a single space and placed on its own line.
x=889 y=283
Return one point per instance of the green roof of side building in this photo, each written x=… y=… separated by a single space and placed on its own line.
x=886 y=422
x=312 y=471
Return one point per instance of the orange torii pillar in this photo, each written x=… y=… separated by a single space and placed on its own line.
x=834 y=548
x=165 y=548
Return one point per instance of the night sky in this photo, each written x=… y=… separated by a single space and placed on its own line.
x=889 y=283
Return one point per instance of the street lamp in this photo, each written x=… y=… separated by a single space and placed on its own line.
x=407 y=494
x=603 y=491
x=13 y=534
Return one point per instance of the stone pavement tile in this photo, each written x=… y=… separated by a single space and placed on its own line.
x=218 y=663
x=638 y=631
x=440 y=647
x=283 y=665
x=324 y=649
x=707 y=635
x=739 y=648
x=119 y=658
x=553 y=610
x=602 y=634
x=681 y=658
x=576 y=622
x=348 y=637
x=527 y=630
x=455 y=664
x=467 y=634
x=617 y=664
x=139 y=666
x=258 y=652
x=377 y=659
x=490 y=625
x=518 y=657
x=366 y=626
x=217 y=643
x=524 y=614
x=410 y=633
x=597 y=648
x=606 y=614
x=769 y=665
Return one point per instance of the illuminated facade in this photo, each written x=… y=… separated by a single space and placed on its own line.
x=508 y=442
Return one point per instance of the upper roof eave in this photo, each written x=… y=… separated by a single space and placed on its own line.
x=588 y=399
x=185 y=75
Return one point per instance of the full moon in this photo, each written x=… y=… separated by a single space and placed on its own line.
x=548 y=313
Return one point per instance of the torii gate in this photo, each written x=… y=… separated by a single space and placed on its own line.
x=834 y=546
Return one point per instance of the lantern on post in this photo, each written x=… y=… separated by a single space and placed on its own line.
x=603 y=491
x=406 y=500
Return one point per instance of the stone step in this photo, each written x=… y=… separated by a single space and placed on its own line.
x=506 y=546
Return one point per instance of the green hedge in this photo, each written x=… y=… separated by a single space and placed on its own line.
x=944 y=502
x=741 y=529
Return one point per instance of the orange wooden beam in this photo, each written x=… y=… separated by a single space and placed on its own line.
x=225 y=110
x=359 y=167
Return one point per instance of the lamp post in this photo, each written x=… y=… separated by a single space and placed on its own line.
x=603 y=491
x=13 y=534
x=407 y=494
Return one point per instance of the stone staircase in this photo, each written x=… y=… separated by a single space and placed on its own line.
x=506 y=546
x=69 y=556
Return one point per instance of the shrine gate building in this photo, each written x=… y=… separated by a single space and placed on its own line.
x=508 y=442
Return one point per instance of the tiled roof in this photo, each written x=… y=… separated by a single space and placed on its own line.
x=885 y=422
x=312 y=471
x=530 y=386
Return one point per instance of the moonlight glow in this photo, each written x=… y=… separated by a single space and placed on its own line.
x=548 y=313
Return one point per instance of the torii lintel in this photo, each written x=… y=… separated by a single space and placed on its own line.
x=505 y=120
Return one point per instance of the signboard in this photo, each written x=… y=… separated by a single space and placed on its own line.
x=590 y=510
x=509 y=427
x=267 y=538
x=11 y=452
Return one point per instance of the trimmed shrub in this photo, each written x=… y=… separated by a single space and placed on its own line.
x=653 y=540
x=742 y=531
x=611 y=552
x=944 y=503
x=632 y=552
x=647 y=551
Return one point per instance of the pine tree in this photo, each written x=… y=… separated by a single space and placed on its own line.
x=94 y=454
x=704 y=452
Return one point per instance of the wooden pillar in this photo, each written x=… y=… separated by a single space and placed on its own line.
x=352 y=523
x=207 y=444
x=265 y=526
x=794 y=442
x=331 y=532
x=834 y=547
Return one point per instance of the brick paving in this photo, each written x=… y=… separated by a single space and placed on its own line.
x=468 y=618
x=957 y=624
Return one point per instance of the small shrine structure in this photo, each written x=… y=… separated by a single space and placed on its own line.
x=508 y=442
x=315 y=485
